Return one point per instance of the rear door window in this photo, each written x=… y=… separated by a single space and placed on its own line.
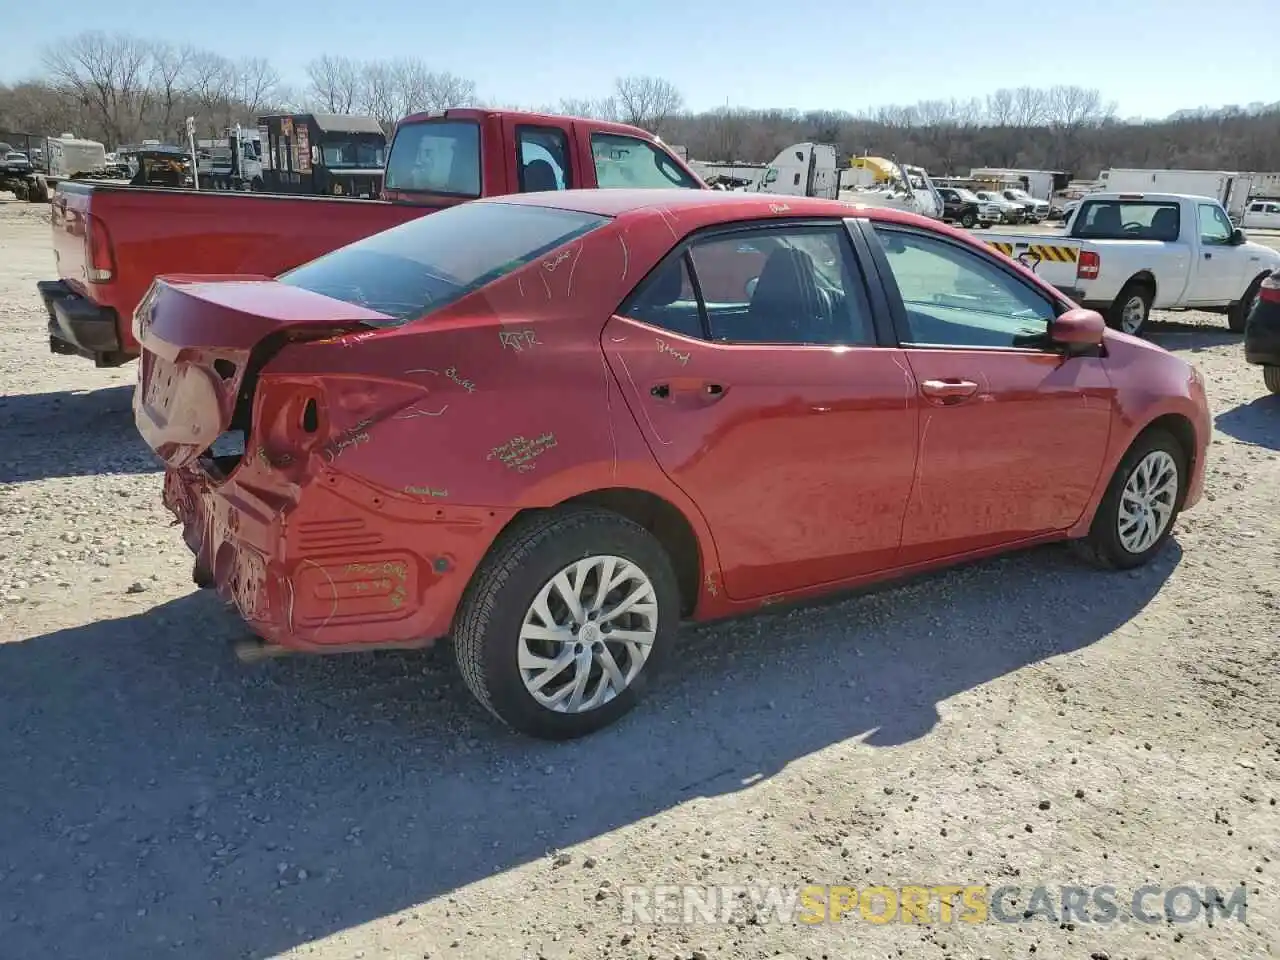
x=544 y=159
x=436 y=156
x=428 y=263
x=623 y=161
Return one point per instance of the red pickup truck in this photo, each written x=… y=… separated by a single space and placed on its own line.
x=112 y=241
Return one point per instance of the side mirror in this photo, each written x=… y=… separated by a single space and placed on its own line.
x=1237 y=237
x=1078 y=328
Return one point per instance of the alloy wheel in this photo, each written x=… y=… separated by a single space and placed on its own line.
x=587 y=634
x=1147 y=501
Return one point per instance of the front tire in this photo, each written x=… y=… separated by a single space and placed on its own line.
x=1271 y=377
x=566 y=620
x=967 y=221
x=1141 y=505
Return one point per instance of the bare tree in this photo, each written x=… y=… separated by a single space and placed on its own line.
x=212 y=85
x=256 y=84
x=605 y=108
x=108 y=73
x=1030 y=107
x=335 y=83
x=647 y=102
x=1000 y=107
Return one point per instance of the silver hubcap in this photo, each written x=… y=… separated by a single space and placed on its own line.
x=587 y=634
x=1133 y=314
x=1146 y=505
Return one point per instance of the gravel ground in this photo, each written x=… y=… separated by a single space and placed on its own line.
x=1023 y=721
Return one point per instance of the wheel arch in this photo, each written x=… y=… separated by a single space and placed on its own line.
x=1144 y=278
x=1174 y=422
x=669 y=526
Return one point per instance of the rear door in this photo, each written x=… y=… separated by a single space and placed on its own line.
x=751 y=361
x=1012 y=432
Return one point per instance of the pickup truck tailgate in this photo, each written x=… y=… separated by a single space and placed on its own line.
x=1053 y=259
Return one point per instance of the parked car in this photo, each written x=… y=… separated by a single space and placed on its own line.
x=1262 y=215
x=966 y=208
x=112 y=241
x=1262 y=332
x=1010 y=212
x=552 y=425
x=1034 y=211
x=1124 y=254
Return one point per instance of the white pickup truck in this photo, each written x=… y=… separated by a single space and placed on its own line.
x=1124 y=254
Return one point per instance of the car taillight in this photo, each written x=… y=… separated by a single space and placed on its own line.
x=1088 y=265
x=1270 y=290
x=99 y=260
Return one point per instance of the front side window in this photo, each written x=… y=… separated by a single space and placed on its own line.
x=1128 y=220
x=426 y=264
x=955 y=297
x=544 y=159
x=1215 y=225
x=436 y=156
x=623 y=161
x=785 y=285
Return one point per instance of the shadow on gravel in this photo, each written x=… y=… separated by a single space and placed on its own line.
x=67 y=434
x=1257 y=421
x=165 y=800
x=1175 y=336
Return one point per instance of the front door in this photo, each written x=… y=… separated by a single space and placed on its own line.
x=1012 y=433
x=1220 y=273
x=768 y=402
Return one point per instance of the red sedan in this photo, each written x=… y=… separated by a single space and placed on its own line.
x=551 y=426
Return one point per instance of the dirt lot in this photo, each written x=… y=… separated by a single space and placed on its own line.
x=1026 y=721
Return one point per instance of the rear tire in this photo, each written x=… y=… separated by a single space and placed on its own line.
x=1238 y=314
x=1131 y=308
x=1112 y=542
x=505 y=646
x=1271 y=377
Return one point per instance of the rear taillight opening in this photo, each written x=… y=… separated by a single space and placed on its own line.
x=99 y=258
x=1088 y=265
x=1270 y=289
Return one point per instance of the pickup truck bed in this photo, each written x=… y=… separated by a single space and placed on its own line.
x=112 y=241
x=127 y=236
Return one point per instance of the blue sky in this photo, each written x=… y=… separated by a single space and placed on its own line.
x=1150 y=56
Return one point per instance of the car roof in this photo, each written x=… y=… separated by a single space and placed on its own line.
x=707 y=206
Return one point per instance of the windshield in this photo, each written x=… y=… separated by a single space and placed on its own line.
x=428 y=263
x=436 y=156
x=1022 y=195
x=968 y=196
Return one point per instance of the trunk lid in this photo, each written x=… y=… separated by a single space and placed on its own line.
x=204 y=339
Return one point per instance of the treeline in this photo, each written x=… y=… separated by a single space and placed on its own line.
x=120 y=88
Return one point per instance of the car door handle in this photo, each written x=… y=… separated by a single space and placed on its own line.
x=1208 y=256
x=948 y=391
x=691 y=390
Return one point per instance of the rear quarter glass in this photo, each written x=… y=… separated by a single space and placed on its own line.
x=426 y=264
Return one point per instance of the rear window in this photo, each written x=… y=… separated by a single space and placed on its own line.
x=1127 y=220
x=436 y=156
x=428 y=263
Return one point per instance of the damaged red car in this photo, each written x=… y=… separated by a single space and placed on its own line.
x=552 y=426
